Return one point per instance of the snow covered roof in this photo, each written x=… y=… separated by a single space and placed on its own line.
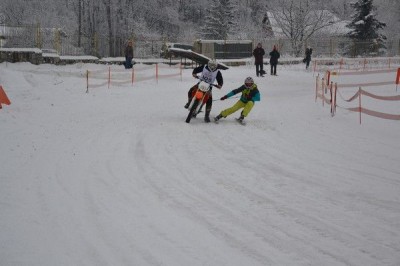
x=224 y=41
x=34 y=50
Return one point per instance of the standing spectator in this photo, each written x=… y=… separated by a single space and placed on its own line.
x=307 y=59
x=128 y=55
x=274 y=56
x=258 y=54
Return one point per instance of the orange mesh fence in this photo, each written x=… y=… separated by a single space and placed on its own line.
x=393 y=81
x=122 y=77
x=327 y=93
x=321 y=92
x=370 y=84
x=3 y=97
x=370 y=112
x=360 y=64
x=367 y=72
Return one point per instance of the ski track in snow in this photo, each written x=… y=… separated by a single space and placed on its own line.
x=116 y=177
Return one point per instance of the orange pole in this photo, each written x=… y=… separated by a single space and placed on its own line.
x=315 y=66
x=329 y=77
x=316 y=88
x=109 y=76
x=359 y=102
x=398 y=78
x=180 y=69
x=334 y=105
x=133 y=75
x=157 y=72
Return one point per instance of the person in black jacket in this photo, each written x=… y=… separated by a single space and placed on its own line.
x=274 y=56
x=128 y=55
x=307 y=59
x=258 y=54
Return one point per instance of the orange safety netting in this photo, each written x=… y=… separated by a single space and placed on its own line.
x=364 y=110
x=3 y=97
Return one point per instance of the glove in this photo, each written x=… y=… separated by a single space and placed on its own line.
x=218 y=86
x=195 y=76
x=223 y=98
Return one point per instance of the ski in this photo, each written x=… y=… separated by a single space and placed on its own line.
x=240 y=121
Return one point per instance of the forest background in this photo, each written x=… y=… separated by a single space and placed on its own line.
x=87 y=24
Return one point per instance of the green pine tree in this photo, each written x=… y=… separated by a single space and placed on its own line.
x=219 y=21
x=365 y=29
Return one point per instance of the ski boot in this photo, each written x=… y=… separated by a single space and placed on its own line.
x=218 y=117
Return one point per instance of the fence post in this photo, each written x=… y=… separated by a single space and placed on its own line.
x=57 y=41
x=157 y=72
x=398 y=78
x=109 y=76
x=180 y=69
x=316 y=87
x=133 y=75
x=333 y=99
x=38 y=36
x=359 y=102
x=329 y=77
x=315 y=66
x=87 y=81
x=340 y=64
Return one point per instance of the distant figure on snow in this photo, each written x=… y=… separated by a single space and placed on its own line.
x=307 y=58
x=258 y=54
x=128 y=55
x=274 y=56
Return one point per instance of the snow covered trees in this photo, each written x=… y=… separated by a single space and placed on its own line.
x=365 y=29
x=219 y=20
x=299 y=20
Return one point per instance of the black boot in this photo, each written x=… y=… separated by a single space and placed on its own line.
x=207 y=117
x=188 y=103
x=218 y=117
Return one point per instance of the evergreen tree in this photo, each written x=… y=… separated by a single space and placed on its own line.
x=219 y=20
x=365 y=28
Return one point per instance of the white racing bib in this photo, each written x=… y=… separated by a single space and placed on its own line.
x=209 y=76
